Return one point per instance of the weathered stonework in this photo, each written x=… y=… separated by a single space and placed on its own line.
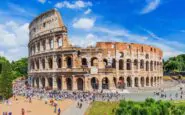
x=56 y=64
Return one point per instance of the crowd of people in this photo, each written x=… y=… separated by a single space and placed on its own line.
x=52 y=96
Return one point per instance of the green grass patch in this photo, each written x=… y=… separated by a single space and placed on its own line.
x=102 y=108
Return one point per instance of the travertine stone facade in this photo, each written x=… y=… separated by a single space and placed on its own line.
x=55 y=64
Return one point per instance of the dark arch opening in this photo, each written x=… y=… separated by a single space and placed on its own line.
x=94 y=83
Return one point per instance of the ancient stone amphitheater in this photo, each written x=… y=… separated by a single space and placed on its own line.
x=56 y=64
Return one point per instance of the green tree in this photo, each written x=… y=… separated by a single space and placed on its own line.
x=6 y=78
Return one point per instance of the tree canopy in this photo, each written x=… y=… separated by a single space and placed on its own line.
x=9 y=72
x=175 y=64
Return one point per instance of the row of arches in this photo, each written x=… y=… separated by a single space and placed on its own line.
x=42 y=45
x=35 y=64
x=95 y=83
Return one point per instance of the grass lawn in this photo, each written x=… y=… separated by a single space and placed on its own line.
x=102 y=108
x=105 y=108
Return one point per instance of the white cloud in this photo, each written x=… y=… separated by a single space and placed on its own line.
x=14 y=39
x=42 y=1
x=88 y=11
x=151 y=5
x=75 y=5
x=84 y=23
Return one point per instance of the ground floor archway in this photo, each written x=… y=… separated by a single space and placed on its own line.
x=80 y=84
x=136 y=82
x=69 y=83
x=121 y=83
x=142 y=82
x=43 y=82
x=105 y=83
x=59 y=83
x=50 y=83
x=129 y=82
x=94 y=83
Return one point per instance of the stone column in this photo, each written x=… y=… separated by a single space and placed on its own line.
x=40 y=64
x=63 y=61
x=74 y=83
x=125 y=81
x=55 y=46
x=74 y=56
x=54 y=62
x=86 y=82
x=46 y=63
x=139 y=82
x=63 y=83
x=54 y=82
x=40 y=82
x=100 y=84
x=133 y=82
x=46 y=82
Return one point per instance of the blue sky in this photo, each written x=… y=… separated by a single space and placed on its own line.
x=160 y=23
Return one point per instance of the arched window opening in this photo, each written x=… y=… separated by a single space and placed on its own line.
x=129 y=64
x=142 y=64
x=51 y=43
x=69 y=62
x=94 y=61
x=59 y=41
x=105 y=62
x=43 y=63
x=121 y=64
x=113 y=63
x=50 y=62
x=84 y=62
x=59 y=62
x=135 y=64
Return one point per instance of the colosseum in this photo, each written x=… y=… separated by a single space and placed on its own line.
x=56 y=64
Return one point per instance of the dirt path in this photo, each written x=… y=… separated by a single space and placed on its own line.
x=37 y=107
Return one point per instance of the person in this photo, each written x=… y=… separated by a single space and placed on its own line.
x=23 y=111
x=59 y=111
x=10 y=113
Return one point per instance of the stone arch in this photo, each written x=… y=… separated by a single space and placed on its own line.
x=94 y=61
x=33 y=81
x=155 y=64
x=80 y=84
x=142 y=82
x=113 y=63
x=69 y=62
x=59 y=62
x=69 y=83
x=37 y=82
x=142 y=64
x=94 y=83
x=37 y=64
x=50 y=83
x=147 y=66
x=147 y=81
x=129 y=82
x=121 y=64
x=129 y=64
x=59 y=83
x=50 y=63
x=151 y=65
x=158 y=80
x=43 y=82
x=43 y=63
x=105 y=83
x=115 y=81
x=105 y=61
x=84 y=62
x=136 y=81
x=121 y=83
x=155 y=80
x=135 y=64
x=32 y=65
x=151 y=81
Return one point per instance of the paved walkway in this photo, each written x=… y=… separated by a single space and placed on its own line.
x=73 y=110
